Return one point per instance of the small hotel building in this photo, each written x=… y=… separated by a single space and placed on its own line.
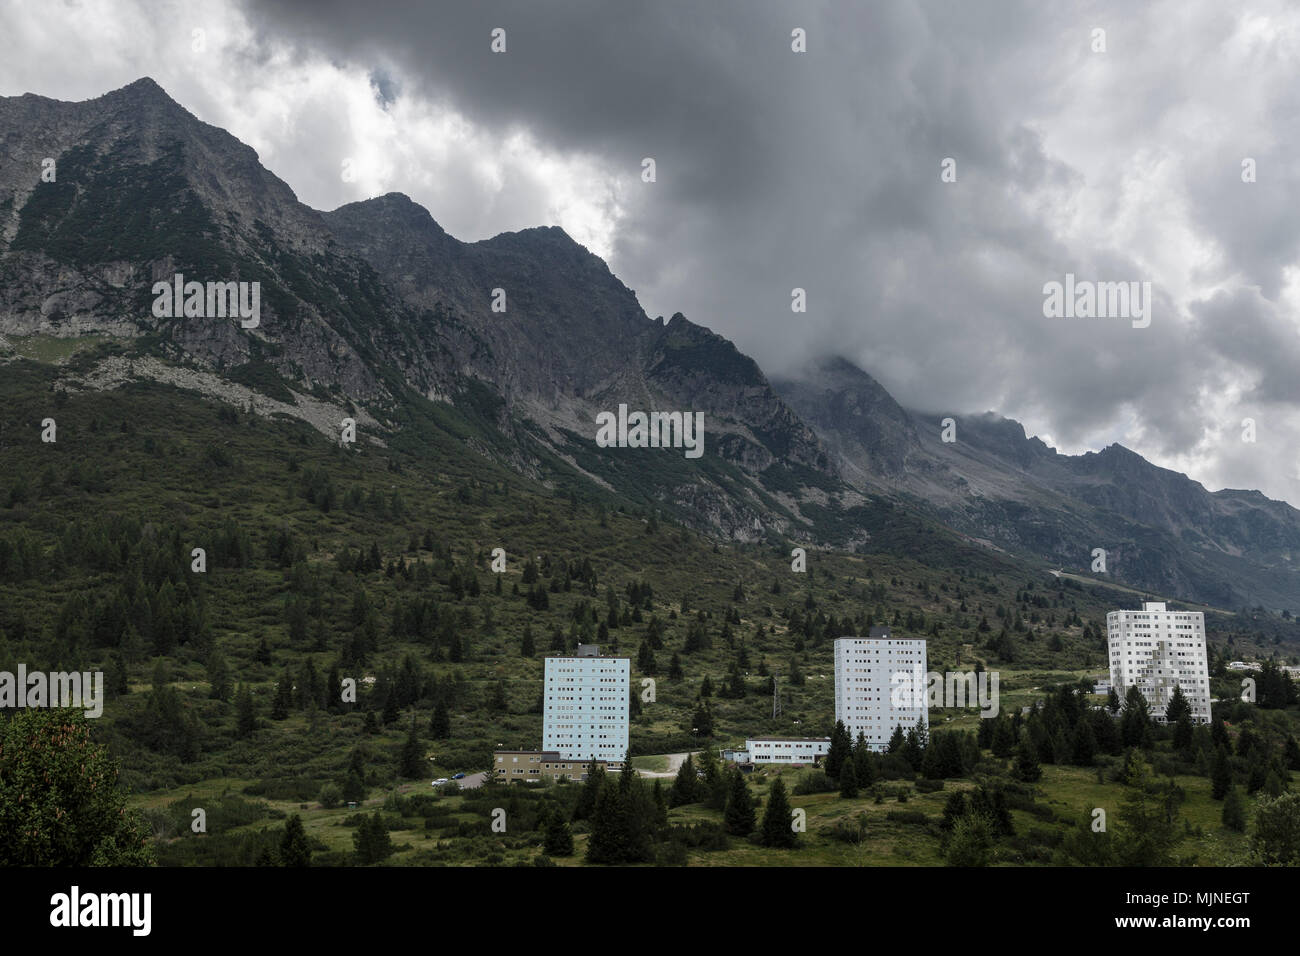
x=536 y=766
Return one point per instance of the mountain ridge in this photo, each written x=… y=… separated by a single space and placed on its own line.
x=374 y=301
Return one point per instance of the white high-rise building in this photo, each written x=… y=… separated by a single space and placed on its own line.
x=879 y=685
x=585 y=706
x=1157 y=650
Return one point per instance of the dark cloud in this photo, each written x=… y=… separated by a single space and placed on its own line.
x=821 y=171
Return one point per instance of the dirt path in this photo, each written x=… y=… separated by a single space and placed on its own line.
x=674 y=764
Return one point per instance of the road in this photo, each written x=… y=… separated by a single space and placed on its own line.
x=472 y=781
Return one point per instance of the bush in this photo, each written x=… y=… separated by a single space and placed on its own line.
x=849 y=831
x=672 y=853
x=815 y=782
x=699 y=836
x=914 y=817
x=330 y=796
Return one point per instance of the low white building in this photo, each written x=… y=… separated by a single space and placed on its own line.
x=788 y=750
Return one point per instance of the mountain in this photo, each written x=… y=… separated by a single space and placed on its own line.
x=1162 y=531
x=374 y=312
x=370 y=302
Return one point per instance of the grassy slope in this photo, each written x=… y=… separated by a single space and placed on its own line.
x=147 y=449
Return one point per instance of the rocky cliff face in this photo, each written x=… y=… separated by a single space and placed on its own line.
x=366 y=301
x=142 y=191
x=1160 y=529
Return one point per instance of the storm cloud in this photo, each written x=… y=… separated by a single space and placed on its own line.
x=819 y=170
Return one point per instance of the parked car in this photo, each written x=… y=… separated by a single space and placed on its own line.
x=440 y=781
x=457 y=776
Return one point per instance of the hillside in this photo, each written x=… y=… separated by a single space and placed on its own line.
x=369 y=562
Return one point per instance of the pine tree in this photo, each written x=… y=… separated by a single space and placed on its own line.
x=587 y=797
x=411 y=762
x=778 y=830
x=1234 y=811
x=897 y=741
x=1147 y=831
x=1004 y=738
x=702 y=720
x=1084 y=744
x=1178 y=706
x=739 y=817
x=863 y=763
x=334 y=690
x=527 y=649
x=1026 y=766
x=245 y=713
x=440 y=722
x=1275 y=840
x=1291 y=753
x=354 y=787
x=372 y=842
x=848 y=780
x=971 y=842
x=915 y=745
x=954 y=809
x=1135 y=725
x=218 y=676
x=283 y=696
x=839 y=751
x=687 y=787
x=622 y=822
x=1221 y=775
x=675 y=667
x=557 y=839
x=295 y=850
x=392 y=708
x=645 y=660
x=717 y=785
x=660 y=803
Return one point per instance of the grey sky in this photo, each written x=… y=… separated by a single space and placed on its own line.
x=819 y=170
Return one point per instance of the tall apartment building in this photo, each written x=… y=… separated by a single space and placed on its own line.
x=1157 y=650
x=585 y=705
x=879 y=685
